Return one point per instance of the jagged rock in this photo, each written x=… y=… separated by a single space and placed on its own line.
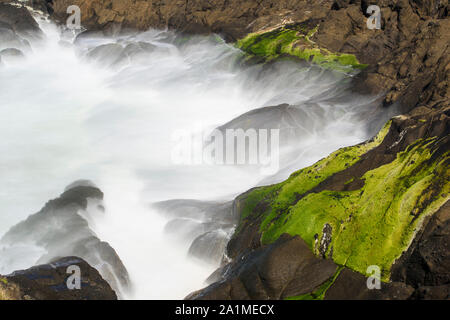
x=62 y=229
x=426 y=264
x=409 y=55
x=17 y=28
x=403 y=132
x=49 y=282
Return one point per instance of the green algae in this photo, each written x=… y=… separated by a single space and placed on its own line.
x=280 y=196
x=373 y=225
x=296 y=42
x=370 y=226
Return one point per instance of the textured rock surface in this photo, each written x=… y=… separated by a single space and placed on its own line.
x=344 y=191
x=280 y=270
x=408 y=59
x=62 y=229
x=17 y=28
x=205 y=225
x=49 y=282
x=408 y=63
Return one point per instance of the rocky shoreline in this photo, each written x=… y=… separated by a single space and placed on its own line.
x=406 y=64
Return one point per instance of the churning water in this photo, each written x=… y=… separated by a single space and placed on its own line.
x=88 y=110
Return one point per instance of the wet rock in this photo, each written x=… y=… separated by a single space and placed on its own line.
x=19 y=20
x=351 y=285
x=205 y=225
x=62 y=228
x=107 y=54
x=283 y=269
x=407 y=58
x=434 y=124
x=49 y=282
x=11 y=55
x=433 y=293
x=197 y=209
x=211 y=245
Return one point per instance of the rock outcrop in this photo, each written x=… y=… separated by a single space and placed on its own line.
x=62 y=228
x=205 y=225
x=408 y=55
x=287 y=269
x=384 y=202
x=17 y=28
x=49 y=282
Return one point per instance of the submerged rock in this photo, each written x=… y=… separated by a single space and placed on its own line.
x=19 y=20
x=205 y=225
x=11 y=55
x=62 y=229
x=211 y=245
x=49 y=282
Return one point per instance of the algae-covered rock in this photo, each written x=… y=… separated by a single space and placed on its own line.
x=374 y=197
x=294 y=41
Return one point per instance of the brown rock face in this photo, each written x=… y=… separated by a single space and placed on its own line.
x=49 y=282
x=408 y=58
x=232 y=18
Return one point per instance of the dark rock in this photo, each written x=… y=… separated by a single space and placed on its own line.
x=211 y=245
x=206 y=225
x=351 y=285
x=404 y=131
x=62 y=229
x=280 y=270
x=19 y=20
x=427 y=262
x=407 y=59
x=433 y=293
x=49 y=282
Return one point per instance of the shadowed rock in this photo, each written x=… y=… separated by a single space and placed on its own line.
x=283 y=269
x=49 y=282
x=206 y=225
x=62 y=229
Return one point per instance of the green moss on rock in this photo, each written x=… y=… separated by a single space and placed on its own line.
x=296 y=42
x=282 y=195
x=372 y=225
